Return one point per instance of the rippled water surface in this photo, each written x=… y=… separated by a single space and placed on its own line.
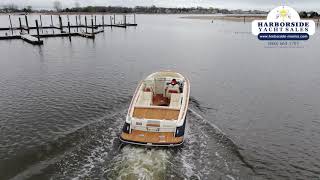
x=254 y=111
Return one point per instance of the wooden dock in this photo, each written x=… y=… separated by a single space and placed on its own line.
x=31 y=39
x=69 y=30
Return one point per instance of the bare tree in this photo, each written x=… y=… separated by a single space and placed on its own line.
x=57 y=5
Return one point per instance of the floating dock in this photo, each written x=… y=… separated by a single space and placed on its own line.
x=31 y=39
x=89 y=29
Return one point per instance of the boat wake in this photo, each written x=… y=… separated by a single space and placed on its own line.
x=95 y=152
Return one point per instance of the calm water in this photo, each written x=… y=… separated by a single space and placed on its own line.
x=254 y=111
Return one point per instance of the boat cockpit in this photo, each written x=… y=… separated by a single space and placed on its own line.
x=161 y=91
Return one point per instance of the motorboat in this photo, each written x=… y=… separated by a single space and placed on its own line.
x=157 y=113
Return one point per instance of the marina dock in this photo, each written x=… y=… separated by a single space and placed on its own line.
x=88 y=29
x=31 y=39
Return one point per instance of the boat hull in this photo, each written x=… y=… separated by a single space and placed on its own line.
x=176 y=139
x=126 y=140
x=149 y=122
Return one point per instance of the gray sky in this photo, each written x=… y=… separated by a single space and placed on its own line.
x=230 y=4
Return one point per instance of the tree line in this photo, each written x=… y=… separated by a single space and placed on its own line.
x=57 y=7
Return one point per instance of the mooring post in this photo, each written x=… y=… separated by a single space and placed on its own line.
x=111 y=22
x=85 y=21
x=92 y=27
x=69 y=30
x=244 y=19
x=38 y=34
x=11 y=24
x=114 y=19
x=60 y=23
x=41 y=24
x=20 y=24
x=134 y=18
x=26 y=18
x=51 y=21
x=80 y=20
x=125 y=20
x=102 y=21
x=77 y=23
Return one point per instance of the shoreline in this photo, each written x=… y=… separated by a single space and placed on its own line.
x=237 y=18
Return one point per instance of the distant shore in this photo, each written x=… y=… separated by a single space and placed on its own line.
x=237 y=18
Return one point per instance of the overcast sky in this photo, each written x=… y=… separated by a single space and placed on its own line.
x=230 y=4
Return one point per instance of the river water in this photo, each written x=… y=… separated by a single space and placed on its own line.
x=254 y=110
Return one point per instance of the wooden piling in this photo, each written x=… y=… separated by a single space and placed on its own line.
x=114 y=18
x=26 y=18
x=85 y=21
x=102 y=21
x=111 y=22
x=38 y=34
x=69 y=31
x=41 y=24
x=125 y=20
x=51 y=21
x=11 y=24
x=79 y=19
x=92 y=27
x=20 y=24
x=77 y=23
x=60 y=23
x=134 y=18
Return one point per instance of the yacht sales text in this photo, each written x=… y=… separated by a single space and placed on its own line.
x=283 y=26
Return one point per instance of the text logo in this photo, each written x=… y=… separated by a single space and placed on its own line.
x=283 y=23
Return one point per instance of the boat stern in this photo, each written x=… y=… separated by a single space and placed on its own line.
x=151 y=138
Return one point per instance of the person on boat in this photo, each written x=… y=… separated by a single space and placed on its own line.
x=172 y=87
x=174 y=82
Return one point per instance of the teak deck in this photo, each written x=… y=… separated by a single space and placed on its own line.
x=152 y=137
x=153 y=113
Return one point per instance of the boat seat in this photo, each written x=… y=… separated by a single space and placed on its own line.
x=145 y=99
x=172 y=90
x=175 y=100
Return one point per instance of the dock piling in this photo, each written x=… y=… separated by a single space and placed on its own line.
x=60 y=23
x=26 y=18
x=102 y=21
x=38 y=34
x=20 y=25
x=11 y=24
x=134 y=18
x=111 y=22
x=114 y=18
x=92 y=27
x=77 y=24
x=51 y=21
x=124 y=20
x=41 y=24
x=85 y=21
x=69 y=30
